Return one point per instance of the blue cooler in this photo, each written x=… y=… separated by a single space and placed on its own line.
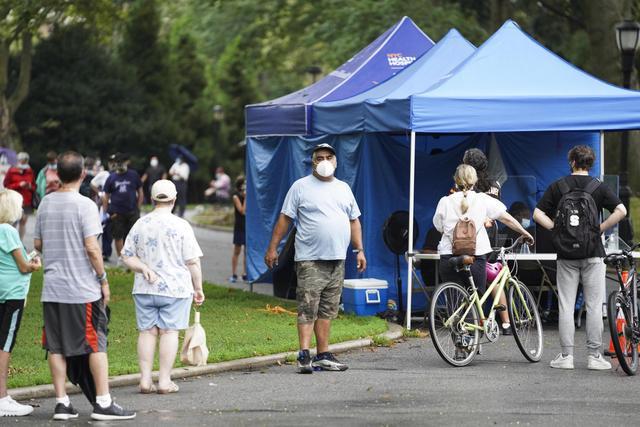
x=364 y=297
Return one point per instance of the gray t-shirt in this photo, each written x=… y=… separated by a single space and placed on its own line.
x=64 y=220
x=323 y=211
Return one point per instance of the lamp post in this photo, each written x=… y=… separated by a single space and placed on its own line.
x=627 y=35
x=315 y=71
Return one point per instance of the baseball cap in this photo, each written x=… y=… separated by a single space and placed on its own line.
x=324 y=146
x=118 y=157
x=163 y=190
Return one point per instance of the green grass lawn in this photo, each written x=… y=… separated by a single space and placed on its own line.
x=236 y=323
x=220 y=216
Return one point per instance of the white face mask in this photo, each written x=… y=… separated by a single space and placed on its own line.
x=526 y=222
x=325 y=169
x=153 y=163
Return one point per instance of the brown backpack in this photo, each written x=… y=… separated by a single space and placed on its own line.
x=464 y=237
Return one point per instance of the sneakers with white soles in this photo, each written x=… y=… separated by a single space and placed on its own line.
x=597 y=363
x=11 y=408
x=562 y=362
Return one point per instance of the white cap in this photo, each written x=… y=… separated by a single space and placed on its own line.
x=163 y=190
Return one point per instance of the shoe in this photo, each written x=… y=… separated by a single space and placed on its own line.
x=11 y=408
x=597 y=363
x=112 y=412
x=304 y=362
x=173 y=388
x=148 y=390
x=507 y=330
x=245 y=278
x=327 y=361
x=562 y=362
x=233 y=279
x=63 y=413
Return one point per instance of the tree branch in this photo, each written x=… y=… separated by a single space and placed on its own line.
x=543 y=4
x=22 y=89
x=4 y=66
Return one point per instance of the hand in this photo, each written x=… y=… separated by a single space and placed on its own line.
x=198 y=297
x=106 y=292
x=271 y=258
x=488 y=223
x=149 y=275
x=528 y=238
x=361 y=262
x=35 y=263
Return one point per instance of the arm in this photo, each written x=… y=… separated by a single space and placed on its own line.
x=94 y=253
x=616 y=216
x=136 y=265
x=37 y=245
x=238 y=205
x=140 y=197
x=511 y=222
x=282 y=225
x=196 y=278
x=144 y=178
x=543 y=219
x=25 y=266
x=356 y=242
x=105 y=201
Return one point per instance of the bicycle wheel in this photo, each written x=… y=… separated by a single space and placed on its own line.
x=525 y=321
x=456 y=344
x=620 y=325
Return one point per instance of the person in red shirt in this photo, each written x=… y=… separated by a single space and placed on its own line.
x=20 y=178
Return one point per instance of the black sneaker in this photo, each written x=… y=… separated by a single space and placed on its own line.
x=328 y=362
x=304 y=362
x=63 y=413
x=113 y=412
x=506 y=331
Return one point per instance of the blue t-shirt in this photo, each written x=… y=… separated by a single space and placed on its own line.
x=323 y=211
x=123 y=189
x=13 y=284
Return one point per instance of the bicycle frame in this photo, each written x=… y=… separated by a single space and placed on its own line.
x=630 y=286
x=499 y=283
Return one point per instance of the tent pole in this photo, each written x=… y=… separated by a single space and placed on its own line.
x=601 y=155
x=412 y=175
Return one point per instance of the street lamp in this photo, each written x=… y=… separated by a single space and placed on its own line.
x=627 y=35
x=218 y=113
x=315 y=71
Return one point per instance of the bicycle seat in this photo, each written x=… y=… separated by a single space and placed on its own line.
x=614 y=259
x=460 y=261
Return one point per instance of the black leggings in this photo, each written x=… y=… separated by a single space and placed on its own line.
x=478 y=271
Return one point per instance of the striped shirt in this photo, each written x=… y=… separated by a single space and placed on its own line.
x=63 y=221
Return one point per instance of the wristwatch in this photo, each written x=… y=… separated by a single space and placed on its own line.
x=102 y=276
x=357 y=251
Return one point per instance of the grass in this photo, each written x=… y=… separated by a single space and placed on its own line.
x=236 y=322
x=220 y=216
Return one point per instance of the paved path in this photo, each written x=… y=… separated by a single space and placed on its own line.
x=404 y=385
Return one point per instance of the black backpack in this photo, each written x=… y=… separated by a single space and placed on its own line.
x=576 y=230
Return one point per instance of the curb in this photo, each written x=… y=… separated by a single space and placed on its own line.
x=46 y=390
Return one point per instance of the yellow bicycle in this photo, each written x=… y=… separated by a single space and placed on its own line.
x=457 y=320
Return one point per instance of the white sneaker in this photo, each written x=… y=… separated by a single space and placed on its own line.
x=562 y=362
x=11 y=408
x=597 y=363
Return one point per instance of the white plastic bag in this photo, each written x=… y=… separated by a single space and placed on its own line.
x=194 y=347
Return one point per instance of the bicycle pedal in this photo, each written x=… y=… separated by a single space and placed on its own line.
x=501 y=307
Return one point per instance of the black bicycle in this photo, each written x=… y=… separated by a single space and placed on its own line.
x=622 y=310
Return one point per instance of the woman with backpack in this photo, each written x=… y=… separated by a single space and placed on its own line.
x=470 y=209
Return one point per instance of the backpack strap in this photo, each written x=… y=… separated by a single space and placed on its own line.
x=592 y=186
x=563 y=186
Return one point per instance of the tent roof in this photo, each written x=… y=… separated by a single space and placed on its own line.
x=513 y=83
x=386 y=107
x=396 y=48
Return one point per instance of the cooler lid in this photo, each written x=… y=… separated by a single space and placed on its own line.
x=368 y=283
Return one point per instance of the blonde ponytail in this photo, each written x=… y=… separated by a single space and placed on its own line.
x=465 y=178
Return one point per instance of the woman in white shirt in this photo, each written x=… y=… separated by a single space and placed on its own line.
x=478 y=207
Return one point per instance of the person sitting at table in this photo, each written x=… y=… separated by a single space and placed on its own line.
x=477 y=207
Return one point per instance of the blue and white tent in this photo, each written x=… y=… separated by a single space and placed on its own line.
x=390 y=53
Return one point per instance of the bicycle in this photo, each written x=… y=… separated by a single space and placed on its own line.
x=457 y=319
x=622 y=310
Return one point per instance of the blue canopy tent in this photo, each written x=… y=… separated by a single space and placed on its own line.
x=396 y=48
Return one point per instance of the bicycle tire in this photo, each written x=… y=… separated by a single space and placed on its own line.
x=526 y=327
x=627 y=352
x=448 y=340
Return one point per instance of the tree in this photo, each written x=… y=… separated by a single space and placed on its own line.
x=20 y=23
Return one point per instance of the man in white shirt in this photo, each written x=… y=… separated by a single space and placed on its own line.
x=327 y=218
x=179 y=173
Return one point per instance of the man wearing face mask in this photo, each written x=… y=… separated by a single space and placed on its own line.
x=521 y=213
x=47 y=180
x=122 y=199
x=20 y=178
x=326 y=214
x=179 y=173
x=154 y=172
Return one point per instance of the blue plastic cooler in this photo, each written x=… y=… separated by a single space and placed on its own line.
x=364 y=297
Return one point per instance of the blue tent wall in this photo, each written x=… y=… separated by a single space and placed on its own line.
x=376 y=167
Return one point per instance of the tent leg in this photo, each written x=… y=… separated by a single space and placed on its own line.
x=412 y=174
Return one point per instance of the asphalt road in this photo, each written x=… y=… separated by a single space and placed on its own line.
x=404 y=385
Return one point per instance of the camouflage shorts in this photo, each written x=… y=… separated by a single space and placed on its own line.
x=319 y=289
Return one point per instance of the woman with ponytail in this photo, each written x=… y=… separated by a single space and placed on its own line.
x=476 y=207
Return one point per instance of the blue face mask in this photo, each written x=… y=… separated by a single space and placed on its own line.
x=526 y=222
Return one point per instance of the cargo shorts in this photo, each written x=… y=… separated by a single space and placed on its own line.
x=319 y=289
